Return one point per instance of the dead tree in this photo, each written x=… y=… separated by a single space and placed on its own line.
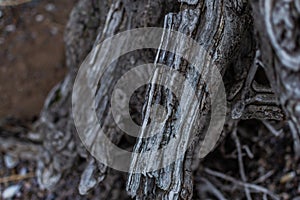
x=240 y=37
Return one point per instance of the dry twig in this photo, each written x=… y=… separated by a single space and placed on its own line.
x=240 y=160
x=16 y=177
x=209 y=187
x=12 y=2
x=240 y=183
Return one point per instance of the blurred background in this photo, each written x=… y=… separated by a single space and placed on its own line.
x=31 y=55
x=31 y=63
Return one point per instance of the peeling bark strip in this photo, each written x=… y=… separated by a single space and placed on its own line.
x=215 y=25
x=277 y=24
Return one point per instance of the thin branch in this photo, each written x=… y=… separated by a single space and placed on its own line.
x=240 y=183
x=248 y=151
x=264 y=177
x=271 y=128
x=240 y=160
x=12 y=2
x=16 y=177
x=212 y=189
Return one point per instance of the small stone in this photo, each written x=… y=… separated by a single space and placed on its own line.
x=39 y=18
x=23 y=171
x=10 y=28
x=35 y=136
x=1 y=14
x=54 y=30
x=288 y=177
x=11 y=191
x=10 y=161
x=50 y=7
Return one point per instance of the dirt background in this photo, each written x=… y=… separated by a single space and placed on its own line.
x=32 y=62
x=31 y=55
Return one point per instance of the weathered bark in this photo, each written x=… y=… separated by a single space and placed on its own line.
x=60 y=141
x=225 y=29
x=277 y=25
x=229 y=25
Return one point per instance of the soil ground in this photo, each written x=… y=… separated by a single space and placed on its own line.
x=31 y=55
x=31 y=62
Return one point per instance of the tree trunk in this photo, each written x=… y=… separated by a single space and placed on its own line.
x=239 y=37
